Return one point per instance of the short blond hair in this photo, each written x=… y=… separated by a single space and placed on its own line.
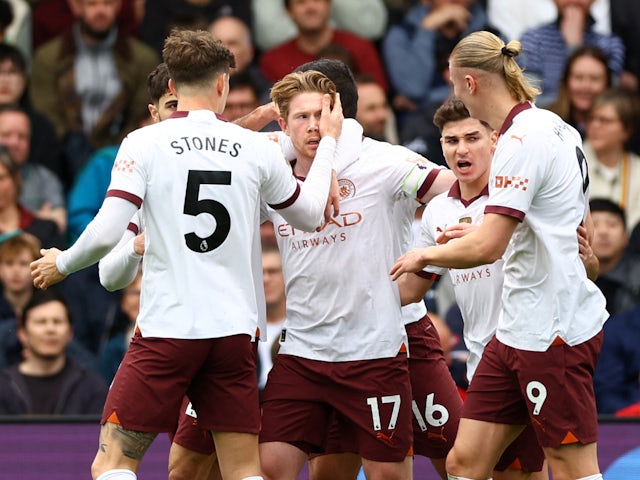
x=282 y=92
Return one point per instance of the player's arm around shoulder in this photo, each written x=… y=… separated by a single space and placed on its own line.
x=424 y=178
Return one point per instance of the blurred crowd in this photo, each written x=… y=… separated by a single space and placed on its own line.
x=74 y=81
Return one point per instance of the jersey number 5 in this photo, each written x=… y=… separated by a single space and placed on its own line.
x=194 y=206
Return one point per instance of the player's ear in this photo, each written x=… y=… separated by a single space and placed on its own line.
x=472 y=83
x=172 y=87
x=283 y=125
x=153 y=111
x=221 y=83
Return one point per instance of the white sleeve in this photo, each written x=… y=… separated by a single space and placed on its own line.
x=349 y=144
x=120 y=266
x=307 y=211
x=100 y=236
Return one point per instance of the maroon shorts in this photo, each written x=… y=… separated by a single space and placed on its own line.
x=189 y=434
x=436 y=402
x=372 y=397
x=552 y=389
x=524 y=453
x=218 y=375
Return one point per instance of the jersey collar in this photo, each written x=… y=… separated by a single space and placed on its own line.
x=454 y=192
x=185 y=113
x=514 y=111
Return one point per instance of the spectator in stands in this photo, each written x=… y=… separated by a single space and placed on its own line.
x=47 y=381
x=41 y=191
x=617 y=377
x=45 y=147
x=312 y=18
x=614 y=171
x=416 y=51
x=16 y=254
x=514 y=17
x=619 y=278
x=272 y=26
x=374 y=113
x=236 y=36
x=13 y=216
x=90 y=187
x=54 y=17
x=162 y=15
x=625 y=18
x=90 y=81
x=113 y=351
x=586 y=75
x=545 y=49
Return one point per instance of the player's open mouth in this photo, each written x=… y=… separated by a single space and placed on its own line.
x=464 y=165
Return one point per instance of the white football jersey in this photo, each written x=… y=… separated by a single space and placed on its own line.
x=341 y=302
x=539 y=176
x=201 y=180
x=477 y=290
x=404 y=215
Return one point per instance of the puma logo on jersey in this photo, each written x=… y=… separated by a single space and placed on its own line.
x=386 y=438
x=520 y=139
x=439 y=436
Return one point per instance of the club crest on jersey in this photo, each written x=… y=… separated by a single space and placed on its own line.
x=465 y=220
x=347 y=188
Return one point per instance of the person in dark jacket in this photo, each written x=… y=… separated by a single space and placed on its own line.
x=617 y=376
x=47 y=381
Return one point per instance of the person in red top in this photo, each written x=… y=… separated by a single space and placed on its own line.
x=314 y=34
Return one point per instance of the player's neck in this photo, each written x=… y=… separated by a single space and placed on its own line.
x=302 y=166
x=496 y=110
x=469 y=193
x=471 y=190
x=187 y=103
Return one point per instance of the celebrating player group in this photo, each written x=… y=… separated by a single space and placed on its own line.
x=360 y=379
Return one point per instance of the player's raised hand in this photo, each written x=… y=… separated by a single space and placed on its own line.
x=332 y=117
x=44 y=271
